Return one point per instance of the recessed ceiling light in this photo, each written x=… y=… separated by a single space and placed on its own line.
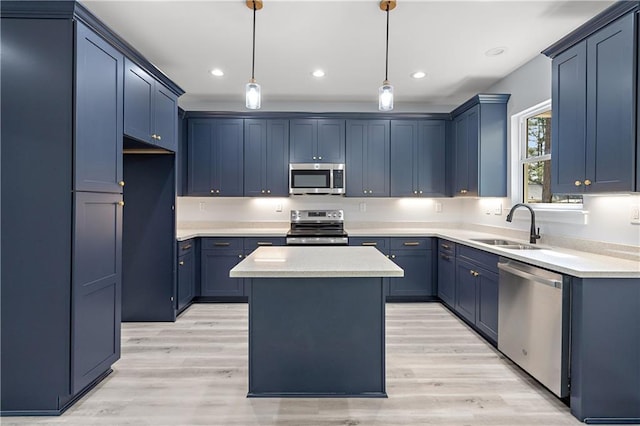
x=217 y=72
x=418 y=74
x=495 y=51
x=318 y=73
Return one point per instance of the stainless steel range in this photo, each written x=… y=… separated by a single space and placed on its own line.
x=317 y=227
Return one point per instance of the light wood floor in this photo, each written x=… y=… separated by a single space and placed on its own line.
x=194 y=371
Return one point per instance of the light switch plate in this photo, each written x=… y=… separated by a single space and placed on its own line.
x=498 y=210
x=438 y=207
x=635 y=215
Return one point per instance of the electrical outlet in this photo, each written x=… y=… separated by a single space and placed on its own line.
x=201 y=206
x=278 y=207
x=438 y=207
x=635 y=215
x=498 y=210
x=363 y=207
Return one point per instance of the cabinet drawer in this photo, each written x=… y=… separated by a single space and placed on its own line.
x=479 y=257
x=411 y=243
x=222 y=243
x=185 y=247
x=250 y=244
x=447 y=247
x=381 y=244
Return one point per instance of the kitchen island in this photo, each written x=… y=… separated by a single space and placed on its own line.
x=316 y=321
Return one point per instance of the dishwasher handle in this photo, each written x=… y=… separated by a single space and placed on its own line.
x=507 y=267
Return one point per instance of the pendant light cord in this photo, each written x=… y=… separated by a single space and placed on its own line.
x=386 y=59
x=253 y=60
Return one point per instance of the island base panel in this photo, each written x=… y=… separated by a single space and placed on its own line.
x=311 y=337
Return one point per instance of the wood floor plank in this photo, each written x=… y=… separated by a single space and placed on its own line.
x=194 y=372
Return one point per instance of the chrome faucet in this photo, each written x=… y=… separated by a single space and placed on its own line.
x=533 y=235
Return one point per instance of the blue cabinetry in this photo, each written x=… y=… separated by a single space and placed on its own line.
x=317 y=141
x=480 y=146
x=593 y=123
x=150 y=109
x=216 y=157
x=186 y=273
x=476 y=289
x=218 y=256
x=447 y=272
x=382 y=244
x=367 y=167
x=266 y=158
x=415 y=257
x=418 y=158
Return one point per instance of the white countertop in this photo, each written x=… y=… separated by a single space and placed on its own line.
x=315 y=262
x=572 y=262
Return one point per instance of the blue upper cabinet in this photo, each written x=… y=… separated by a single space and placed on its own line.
x=368 y=150
x=480 y=146
x=417 y=158
x=266 y=158
x=98 y=121
x=317 y=141
x=593 y=99
x=150 y=109
x=216 y=160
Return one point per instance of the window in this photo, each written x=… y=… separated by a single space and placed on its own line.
x=535 y=158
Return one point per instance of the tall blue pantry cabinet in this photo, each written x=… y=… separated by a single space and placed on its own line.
x=62 y=206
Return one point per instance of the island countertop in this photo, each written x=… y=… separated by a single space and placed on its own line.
x=316 y=262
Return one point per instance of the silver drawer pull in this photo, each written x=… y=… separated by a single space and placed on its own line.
x=370 y=244
x=264 y=243
x=445 y=257
x=187 y=247
x=411 y=243
x=222 y=244
x=445 y=246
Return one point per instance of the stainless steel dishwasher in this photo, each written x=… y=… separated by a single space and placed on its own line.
x=533 y=322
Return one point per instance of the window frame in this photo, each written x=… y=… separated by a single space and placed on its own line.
x=519 y=145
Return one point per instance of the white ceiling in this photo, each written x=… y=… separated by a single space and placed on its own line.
x=446 y=39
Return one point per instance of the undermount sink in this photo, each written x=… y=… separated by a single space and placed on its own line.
x=511 y=245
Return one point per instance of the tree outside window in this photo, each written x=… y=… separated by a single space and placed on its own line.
x=537 y=159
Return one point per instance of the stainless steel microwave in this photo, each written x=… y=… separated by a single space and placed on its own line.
x=316 y=178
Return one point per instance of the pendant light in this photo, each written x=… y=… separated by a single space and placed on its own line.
x=385 y=92
x=252 y=91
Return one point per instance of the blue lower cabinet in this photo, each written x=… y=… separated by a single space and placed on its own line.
x=476 y=290
x=447 y=272
x=186 y=274
x=382 y=244
x=216 y=264
x=252 y=243
x=414 y=256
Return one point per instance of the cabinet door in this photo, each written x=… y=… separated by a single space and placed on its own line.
x=465 y=290
x=447 y=278
x=331 y=141
x=165 y=109
x=431 y=158
x=99 y=115
x=277 y=158
x=304 y=139
x=186 y=280
x=417 y=267
x=255 y=161
x=228 y=164
x=461 y=146
x=610 y=99
x=96 y=286
x=487 y=303
x=356 y=168
x=568 y=137
x=473 y=141
x=404 y=135
x=377 y=152
x=138 y=98
x=200 y=147
x=216 y=265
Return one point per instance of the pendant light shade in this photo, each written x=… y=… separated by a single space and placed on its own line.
x=252 y=89
x=385 y=92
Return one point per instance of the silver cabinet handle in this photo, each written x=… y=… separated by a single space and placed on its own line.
x=411 y=243
x=264 y=243
x=187 y=247
x=222 y=244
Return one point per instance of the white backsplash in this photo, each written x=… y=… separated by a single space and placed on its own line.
x=603 y=218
